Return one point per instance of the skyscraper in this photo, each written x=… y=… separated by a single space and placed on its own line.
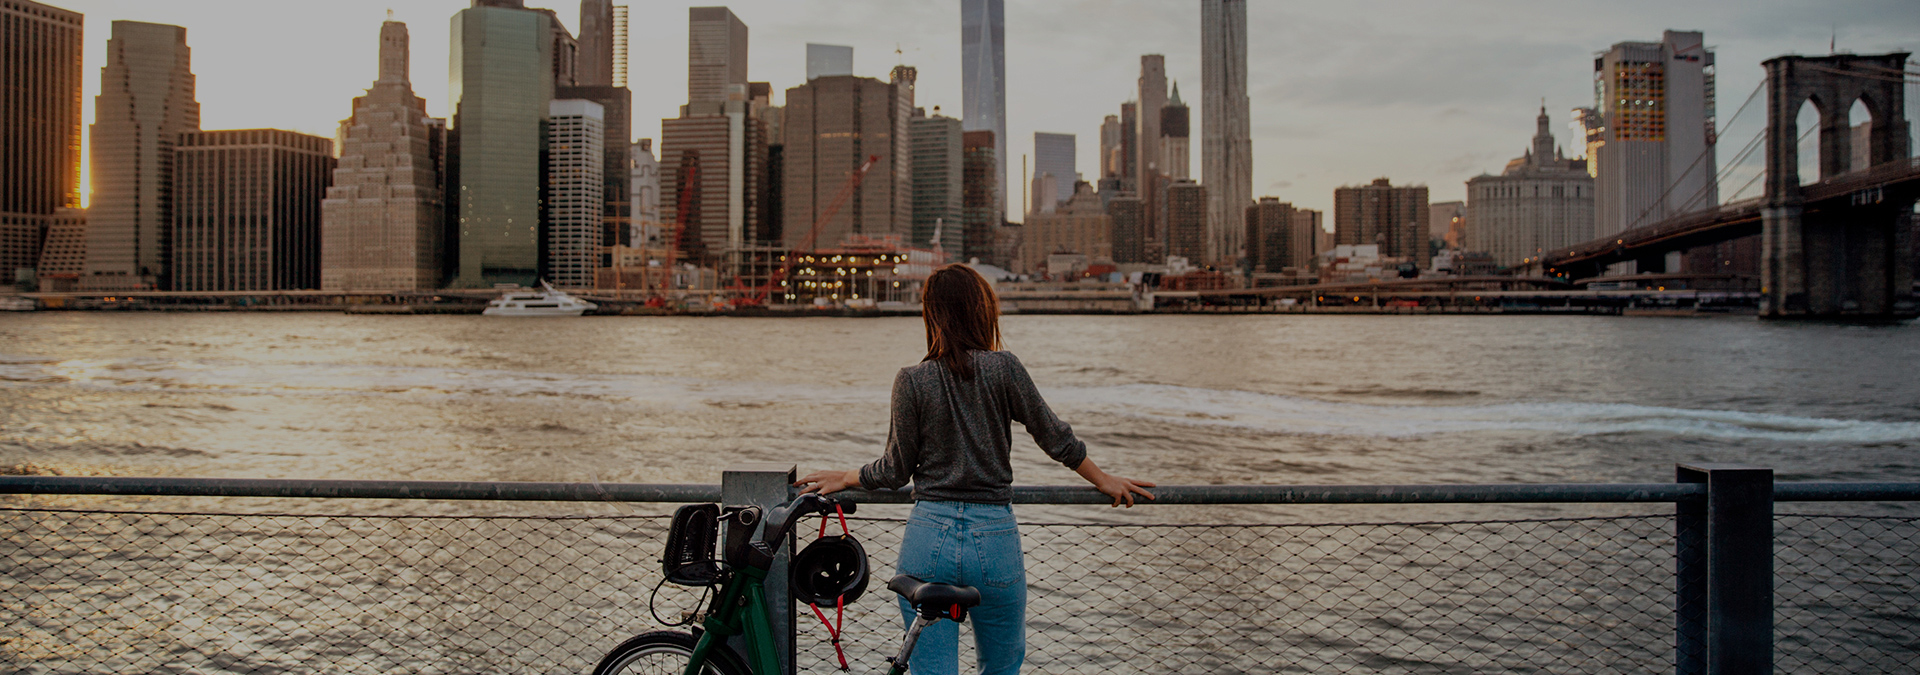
x=382 y=219
x=576 y=191
x=1055 y=154
x=1311 y=228
x=983 y=81
x=1153 y=98
x=602 y=61
x=1129 y=244
x=146 y=101
x=713 y=157
x=502 y=76
x=247 y=209
x=1654 y=158
x=1175 y=146
x=1395 y=218
x=824 y=60
x=616 y=104
x=711 y=165
x=938 y=183
x=1110 y=147
x=40 y=125
x=833 y=124
x=1226 y=142
x=1187 y=214
x=716 y=55
x=1149 y=173
x=1276 y=239
x=770 y=206
x=1542 y=201
x=595 y=62
x=620 y=47
x=645 y=200
x=1129 y=156
x=980 y=168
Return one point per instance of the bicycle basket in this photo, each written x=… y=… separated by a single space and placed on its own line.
x=688 y=558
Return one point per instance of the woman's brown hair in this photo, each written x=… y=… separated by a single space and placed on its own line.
x=962 y=315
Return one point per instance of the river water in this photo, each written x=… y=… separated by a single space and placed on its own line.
x=1180 y=399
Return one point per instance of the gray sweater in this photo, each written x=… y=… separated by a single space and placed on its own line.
x=952 y=438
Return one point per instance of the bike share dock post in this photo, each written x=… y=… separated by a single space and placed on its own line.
x=1723 y=569
x=767 y=485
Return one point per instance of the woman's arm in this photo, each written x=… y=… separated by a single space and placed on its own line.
x=1056 y=438
x=1120 y=489
x=1025 y=406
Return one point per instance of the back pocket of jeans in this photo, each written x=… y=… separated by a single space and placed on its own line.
x=1001 y=563
x=920 y=550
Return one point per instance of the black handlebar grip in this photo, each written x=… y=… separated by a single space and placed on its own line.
x=847 y=506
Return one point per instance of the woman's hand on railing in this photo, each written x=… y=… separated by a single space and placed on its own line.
x=1120 y=489
x=828 y=482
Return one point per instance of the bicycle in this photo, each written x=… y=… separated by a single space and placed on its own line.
x=739 y=605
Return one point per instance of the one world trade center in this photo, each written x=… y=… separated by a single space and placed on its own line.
x=983 y=89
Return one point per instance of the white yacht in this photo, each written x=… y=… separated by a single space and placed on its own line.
x=544 y=302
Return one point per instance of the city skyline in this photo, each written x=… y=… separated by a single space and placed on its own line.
x=1434 y=109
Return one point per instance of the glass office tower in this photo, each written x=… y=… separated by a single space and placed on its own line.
x=501 y=78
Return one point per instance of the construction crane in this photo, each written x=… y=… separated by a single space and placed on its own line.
x=761 y=295
x=692 y=173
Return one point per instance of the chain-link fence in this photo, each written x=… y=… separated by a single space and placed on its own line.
x=125 y=592
x=1846 y=594
x=1589 y=595
x=122 y=591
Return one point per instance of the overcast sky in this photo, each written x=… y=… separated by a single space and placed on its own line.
x=1419 y=91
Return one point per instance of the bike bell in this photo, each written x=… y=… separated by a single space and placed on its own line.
x=832 y=569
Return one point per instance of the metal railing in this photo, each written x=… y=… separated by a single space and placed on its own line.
x=1720 y=584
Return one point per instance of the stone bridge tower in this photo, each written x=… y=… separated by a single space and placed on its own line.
x=1835 y=260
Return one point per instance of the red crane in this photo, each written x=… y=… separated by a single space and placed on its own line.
x=760 y=295
x=680 y=224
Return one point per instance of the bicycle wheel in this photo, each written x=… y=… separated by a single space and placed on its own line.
x=665 y=652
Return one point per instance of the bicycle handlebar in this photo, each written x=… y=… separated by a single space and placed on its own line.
x=781 y=521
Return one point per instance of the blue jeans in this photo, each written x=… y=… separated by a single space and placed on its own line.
x=974 y=545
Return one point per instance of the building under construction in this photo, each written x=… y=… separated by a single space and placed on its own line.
x=861 y=272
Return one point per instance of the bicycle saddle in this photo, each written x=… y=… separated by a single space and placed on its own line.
x=937 y=599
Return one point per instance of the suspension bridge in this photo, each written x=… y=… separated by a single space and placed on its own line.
x=1841 y=247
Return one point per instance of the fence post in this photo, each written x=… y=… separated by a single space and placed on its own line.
x=1723 y=568
x=767 y=485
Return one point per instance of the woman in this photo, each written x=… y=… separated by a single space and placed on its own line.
x=951 y=437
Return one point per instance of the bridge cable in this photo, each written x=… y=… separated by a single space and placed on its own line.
x=1762 y=174
x=1727 y=169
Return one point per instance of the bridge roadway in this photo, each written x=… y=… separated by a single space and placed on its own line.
x=1892 y=181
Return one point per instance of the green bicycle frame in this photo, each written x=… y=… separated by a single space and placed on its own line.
x=741 y=609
